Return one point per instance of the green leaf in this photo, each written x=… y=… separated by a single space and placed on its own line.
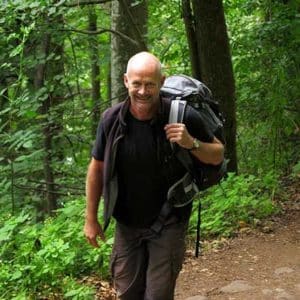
x=16 y=275
x=16 y=51
x=21 y=158
x=60 y=2
x=52 y=11
x=30 y=114
x=27 y=144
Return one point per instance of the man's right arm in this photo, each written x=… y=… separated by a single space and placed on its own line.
x=94 y=185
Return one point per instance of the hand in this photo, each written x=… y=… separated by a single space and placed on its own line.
x=177 y=133
x=92 y=230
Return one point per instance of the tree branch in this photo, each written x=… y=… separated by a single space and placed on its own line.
x=58 y=185
x=24 y=187
x=81 y=3
x=122 y=35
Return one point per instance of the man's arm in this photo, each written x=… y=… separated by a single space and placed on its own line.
x=94 y=184
x=209 y=153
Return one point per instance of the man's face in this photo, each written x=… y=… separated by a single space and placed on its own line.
x=143 y=87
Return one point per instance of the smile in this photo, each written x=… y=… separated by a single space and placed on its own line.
x=142 y=99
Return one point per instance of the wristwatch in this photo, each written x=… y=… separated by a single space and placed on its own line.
x=196 y=144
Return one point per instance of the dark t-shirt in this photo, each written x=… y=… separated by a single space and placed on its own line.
x=146 y=168
x=142 y=185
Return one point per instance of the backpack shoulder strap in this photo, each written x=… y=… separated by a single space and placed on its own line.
x=177 y=110
x=176 y=115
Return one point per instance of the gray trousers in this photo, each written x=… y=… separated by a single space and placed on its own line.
x=145 y=265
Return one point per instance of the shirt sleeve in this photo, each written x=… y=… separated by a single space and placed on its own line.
x=100 y=143
x=196 y=125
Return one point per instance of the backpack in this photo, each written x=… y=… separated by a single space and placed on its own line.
x=182 y=90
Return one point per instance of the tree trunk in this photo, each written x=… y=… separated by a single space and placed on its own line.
x=191 y=38
x=130 y=20
x=95 y=71
x=3 y=103
x=52 y=110
x=39 y=81
x=216 y=66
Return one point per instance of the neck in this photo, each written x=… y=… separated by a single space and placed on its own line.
x=143 y=114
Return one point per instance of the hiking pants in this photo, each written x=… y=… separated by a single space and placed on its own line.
x=145 y=264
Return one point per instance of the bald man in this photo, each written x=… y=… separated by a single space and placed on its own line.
x=133 y=166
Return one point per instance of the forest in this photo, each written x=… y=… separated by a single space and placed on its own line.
x=62 y=64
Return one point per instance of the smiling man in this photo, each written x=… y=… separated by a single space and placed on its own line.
x=143 y=80
x=133 y=166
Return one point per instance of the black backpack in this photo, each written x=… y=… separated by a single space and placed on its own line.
x=182 y=90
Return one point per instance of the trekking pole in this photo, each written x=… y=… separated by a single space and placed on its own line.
x=198 y=244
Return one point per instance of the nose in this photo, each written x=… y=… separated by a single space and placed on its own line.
x=142 y=90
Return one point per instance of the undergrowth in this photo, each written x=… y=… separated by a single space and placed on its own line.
x=39 y=261
x=236 y=200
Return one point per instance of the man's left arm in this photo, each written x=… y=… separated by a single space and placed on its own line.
x=209 y=153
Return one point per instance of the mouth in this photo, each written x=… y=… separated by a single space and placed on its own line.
x=139 y=99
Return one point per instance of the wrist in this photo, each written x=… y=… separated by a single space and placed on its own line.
x=91 y=218
x=196 y=145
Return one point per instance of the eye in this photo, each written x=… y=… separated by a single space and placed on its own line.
x=150 y=85
x=136 y=85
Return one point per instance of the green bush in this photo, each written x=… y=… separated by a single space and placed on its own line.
x=47 y=258
x=242 y=198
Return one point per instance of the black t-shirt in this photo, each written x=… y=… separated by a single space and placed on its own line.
x=142 y=185
x=146 y=168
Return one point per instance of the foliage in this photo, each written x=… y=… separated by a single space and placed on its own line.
x=265 y=42
x=42 y=259
x=48 y=258
x=296 y=170
x=171 y=46
x=237 y=199
x=45 y=126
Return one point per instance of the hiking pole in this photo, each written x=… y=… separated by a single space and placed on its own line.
x=198 y=245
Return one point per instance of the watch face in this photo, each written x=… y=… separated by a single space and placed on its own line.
x=196 y=144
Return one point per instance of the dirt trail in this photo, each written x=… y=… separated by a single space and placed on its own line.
x=252 y=266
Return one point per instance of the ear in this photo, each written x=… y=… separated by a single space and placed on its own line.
x=162 y=80
x=125 y=78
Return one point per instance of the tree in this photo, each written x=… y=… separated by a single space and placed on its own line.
x=211 y=51
x=95 y=70
x=190 y=29
x=45 y=76
x=130 y=19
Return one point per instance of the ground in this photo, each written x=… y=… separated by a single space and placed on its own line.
x=261 y=263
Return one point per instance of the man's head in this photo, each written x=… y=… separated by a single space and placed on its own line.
x=143 y=79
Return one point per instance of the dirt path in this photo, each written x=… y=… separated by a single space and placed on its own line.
x=252 y=266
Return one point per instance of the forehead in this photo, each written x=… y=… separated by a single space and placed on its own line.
x=143 y=72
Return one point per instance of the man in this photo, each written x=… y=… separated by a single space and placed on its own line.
x=134 y=166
